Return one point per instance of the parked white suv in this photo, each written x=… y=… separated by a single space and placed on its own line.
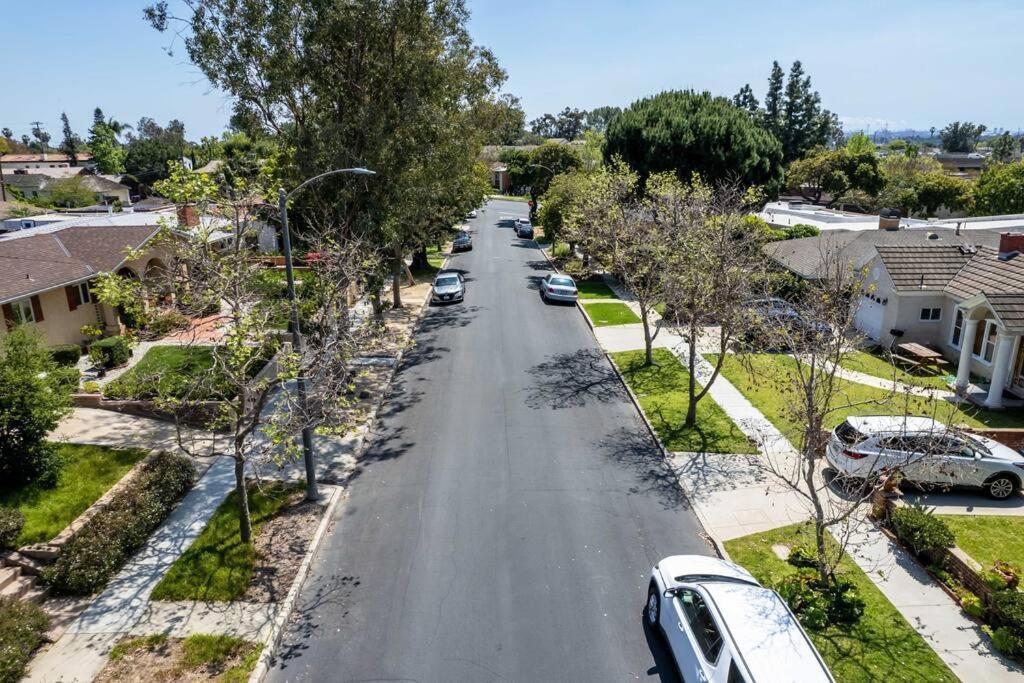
x=926 y=452
x=724 y=627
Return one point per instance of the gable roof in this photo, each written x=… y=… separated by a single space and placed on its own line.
x=924 y=267
x=37 y=263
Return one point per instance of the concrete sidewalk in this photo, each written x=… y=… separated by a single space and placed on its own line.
x=734 y=496
x=121 y=430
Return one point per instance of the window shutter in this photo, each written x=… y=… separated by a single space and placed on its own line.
x=72 y=294
x=37 y=309
x=9 y=316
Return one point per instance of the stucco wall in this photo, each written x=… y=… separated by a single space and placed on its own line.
x=60 y=325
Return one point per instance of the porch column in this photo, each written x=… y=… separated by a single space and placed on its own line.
x=963 y=370
x=1004 y=344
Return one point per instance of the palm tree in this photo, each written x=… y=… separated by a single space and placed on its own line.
x=117 y=127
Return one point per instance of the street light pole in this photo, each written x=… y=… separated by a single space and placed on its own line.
x=307 y=431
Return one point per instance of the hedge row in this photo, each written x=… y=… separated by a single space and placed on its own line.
x=22 y=625
x=110 y=352
x=106 y=542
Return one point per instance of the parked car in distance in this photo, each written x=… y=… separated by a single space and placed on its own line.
x=448 y=288
x=471 y=214
x=462 y=242
x=775 y=325
x=722 y=626
x=524 y=229
x=555 y=287
x=926 y=452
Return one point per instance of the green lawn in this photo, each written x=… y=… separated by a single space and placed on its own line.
x=218 y=566
x=435 y=257
x=611 y=314
x=988 y=538
x=877 y=366
x=763 y=386
x=594 y=289
x=662 y=392
x=511 y=197
x=882 y=646
x=173 y=372
x=88 y=473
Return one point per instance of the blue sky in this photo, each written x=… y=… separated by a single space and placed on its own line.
x=903 y=63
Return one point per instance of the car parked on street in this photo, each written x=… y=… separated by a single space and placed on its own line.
x=556 y=287
x=462 y=242
x=722 y=626
x=524 y=229
x=448 y=288
x=926 y=452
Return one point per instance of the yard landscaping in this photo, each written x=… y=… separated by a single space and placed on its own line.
x=855 y=399
x=218 y=566
x=594 y=288
x=87 y=473
x=880 y=646
x=662 y=392
x=172 y=372
x=605 y=314
x=987 y=538
x=877 y=366
x=199 y=657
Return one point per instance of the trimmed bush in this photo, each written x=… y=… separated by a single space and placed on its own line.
x=1008 y=609
x=66 y=354
x=972 y=604
x=67 y=379
x=11 y=524
x=925 y=533
x=110 y=352
x=22 y=625
x=110 y=537
x=91 y=387
x=1005 y=640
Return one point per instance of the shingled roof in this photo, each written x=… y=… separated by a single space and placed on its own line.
x=38 y=263
x=924 y=267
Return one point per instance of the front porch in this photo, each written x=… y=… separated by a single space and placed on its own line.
x=988 y=329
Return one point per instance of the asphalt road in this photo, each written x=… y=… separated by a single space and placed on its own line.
x=508 y=508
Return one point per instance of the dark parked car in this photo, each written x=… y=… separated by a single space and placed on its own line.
x=524 y=229
x=462 y=242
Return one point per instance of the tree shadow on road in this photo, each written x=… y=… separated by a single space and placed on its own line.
x=573 y=380
x=333 y=593
x=633 y=447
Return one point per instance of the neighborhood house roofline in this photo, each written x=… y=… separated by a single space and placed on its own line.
x=27 y=158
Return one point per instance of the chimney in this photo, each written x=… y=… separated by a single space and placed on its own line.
x=889 y=219
x=188 y=217
x=1010 y=243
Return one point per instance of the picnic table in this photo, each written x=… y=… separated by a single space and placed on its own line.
x=916 y=354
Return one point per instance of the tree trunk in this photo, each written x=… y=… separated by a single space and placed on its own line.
x=396 y=280
x=691 y=366
x=419 y=259
x=378 y=307
x=244 y=521
x=648 y=341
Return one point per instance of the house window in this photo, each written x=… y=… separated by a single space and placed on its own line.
x=931 y=314
x=84 y=296
x=958 y=328
x=985 y=342
x=23 y=312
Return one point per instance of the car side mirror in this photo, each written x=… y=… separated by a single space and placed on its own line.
x=461 y=279
x=977 y=455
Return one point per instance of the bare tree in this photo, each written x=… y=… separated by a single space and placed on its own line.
x=713 y=260
x=241 y=369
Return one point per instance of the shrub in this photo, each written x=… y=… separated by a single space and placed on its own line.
x=1010 y=572
x=1005 y=640
x=820 y=605
x=67 y=378
x=973 y=605
x=994 y=580
x=66 y=354
x=22 y=625
x=11 y=524
x=921 y=530
x=91 y=387
x=110 y=537
x=110 y=352
x=802 y=556
x=164 y=322
x=1008 y=610
x=575 y=268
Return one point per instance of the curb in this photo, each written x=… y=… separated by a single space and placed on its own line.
x=715 y=544
x=277 y=629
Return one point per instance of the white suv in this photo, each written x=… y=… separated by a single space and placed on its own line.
x=926 y=452
x=724 y=627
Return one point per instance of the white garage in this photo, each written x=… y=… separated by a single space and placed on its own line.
x=869 y=318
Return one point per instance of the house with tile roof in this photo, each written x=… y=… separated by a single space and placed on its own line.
x=45 y=273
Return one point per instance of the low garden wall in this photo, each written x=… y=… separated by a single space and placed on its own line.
x=199 y=415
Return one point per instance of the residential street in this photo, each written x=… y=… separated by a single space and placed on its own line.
x=508 y=508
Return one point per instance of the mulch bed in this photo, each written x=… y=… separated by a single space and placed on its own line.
x=280 y=548
x=162 y=661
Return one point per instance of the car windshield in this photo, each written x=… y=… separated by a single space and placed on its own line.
x=562 y=282
x=446 y=281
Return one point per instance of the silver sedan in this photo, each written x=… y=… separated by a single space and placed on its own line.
x=448 y=288
x=555 y=287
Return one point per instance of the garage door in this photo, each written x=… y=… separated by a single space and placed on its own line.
x=869 y=318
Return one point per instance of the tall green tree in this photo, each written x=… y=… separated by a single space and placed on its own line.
x=961 y=136
x=688 y=132
x=598 y=118
x=70 y=142
x=773 y=101
x=1004 y=148
x=745 y=99
x=501 y=119
x=107 y=153
x=1000 y=190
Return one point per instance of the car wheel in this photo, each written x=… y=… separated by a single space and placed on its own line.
x=1001 y=487
x=652 y=610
